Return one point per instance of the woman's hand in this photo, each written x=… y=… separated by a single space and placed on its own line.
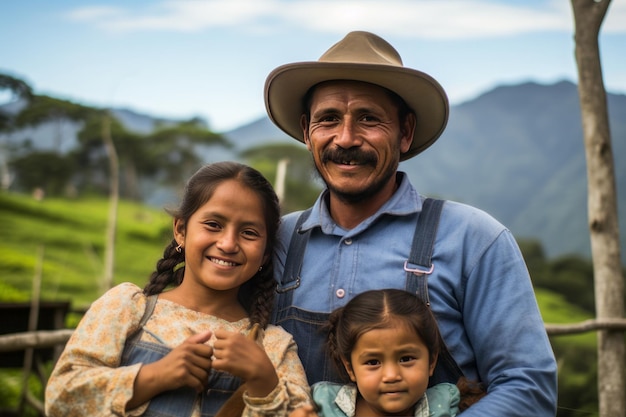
x=187 y=365
x=240 y=356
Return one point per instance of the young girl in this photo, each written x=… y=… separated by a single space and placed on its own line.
x=179 y=347
x=386 y=343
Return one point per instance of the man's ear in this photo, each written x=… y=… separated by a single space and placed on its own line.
x=348 y=367
x=406 y=133
x=304 y=125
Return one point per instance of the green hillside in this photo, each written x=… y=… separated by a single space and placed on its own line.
x=71 y=234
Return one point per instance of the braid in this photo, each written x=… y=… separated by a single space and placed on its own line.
x=333 y=349
x=257 y=296
x=164 y=274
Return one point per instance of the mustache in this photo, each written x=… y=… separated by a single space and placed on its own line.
x=355 y=156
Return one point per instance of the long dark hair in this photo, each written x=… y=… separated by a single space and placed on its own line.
x=378 y=309
x=257 y=294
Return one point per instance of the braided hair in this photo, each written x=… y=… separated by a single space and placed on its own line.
x=257 y=294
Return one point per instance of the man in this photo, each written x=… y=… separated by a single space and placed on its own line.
x=360 y=112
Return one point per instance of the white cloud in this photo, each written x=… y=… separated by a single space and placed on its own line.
x=95 y=13
x=176 y=15
x=441 y=19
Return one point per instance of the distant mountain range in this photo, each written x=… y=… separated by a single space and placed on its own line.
x=516 y=152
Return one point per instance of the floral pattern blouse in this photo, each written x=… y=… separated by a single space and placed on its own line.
x=88 y=378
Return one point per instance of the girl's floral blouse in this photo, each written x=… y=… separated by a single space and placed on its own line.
x=87 y=379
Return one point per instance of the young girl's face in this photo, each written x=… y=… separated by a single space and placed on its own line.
x=225 y=239
x=391 y=368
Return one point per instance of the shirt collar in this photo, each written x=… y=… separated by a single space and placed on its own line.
x=347 y=396
x=403 y=202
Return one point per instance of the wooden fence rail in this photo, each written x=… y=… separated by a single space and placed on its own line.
x=49 y=338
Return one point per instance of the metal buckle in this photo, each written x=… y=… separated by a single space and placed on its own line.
x=418 y=271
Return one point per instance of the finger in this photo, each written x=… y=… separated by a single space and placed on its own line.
x=199 y=337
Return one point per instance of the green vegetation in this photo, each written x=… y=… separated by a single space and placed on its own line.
x=70 y=235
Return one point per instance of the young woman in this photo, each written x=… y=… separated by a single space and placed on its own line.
x=179 y=347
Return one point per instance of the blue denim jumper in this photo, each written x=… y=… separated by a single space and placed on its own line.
x=179 y=402
x=305 y=326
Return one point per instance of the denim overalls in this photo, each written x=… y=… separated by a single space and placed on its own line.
x=305 y=325
x=179 y=402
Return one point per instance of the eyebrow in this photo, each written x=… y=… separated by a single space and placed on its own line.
x=206 y=215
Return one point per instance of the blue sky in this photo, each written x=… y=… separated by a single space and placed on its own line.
x=209 y=58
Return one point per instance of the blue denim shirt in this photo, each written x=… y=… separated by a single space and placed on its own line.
x=480 y=291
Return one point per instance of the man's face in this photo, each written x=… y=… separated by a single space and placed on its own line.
x=355 y=138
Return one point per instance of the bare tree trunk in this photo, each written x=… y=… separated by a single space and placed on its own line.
x=602 y=205
x=109 y=258
x=281 y=173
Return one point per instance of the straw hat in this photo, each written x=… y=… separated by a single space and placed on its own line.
x=360 y=56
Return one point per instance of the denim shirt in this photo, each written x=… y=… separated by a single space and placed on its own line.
x=480 y=291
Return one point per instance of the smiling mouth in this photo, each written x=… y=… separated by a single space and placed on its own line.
x=222 y=262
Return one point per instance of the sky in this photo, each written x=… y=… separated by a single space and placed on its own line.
x=209 y=58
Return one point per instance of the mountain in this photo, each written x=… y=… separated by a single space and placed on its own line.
x=516 y=152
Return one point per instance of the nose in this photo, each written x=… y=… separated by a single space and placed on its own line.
x=228 y=242
x=391 y=372
x=347 y=134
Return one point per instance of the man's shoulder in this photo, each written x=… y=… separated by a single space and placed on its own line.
x=463 y=215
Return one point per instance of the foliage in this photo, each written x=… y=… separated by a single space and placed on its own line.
x=571 y=275
x=45 y=170
x=300 y=189
x=71 y=233
x=11 y=388
x=167 y=156
x=576 y=356
x=18 y=88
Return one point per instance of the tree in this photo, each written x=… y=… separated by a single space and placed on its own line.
x=300 y=188
x=21 y=91
x=101 y=135
x=173 y=149
x=602 y=204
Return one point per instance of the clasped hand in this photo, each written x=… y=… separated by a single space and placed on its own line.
x=189 y=365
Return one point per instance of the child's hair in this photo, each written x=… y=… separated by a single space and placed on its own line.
x=257 y=294
x=379 y=309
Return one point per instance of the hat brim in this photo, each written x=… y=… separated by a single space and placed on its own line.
x=287 y=85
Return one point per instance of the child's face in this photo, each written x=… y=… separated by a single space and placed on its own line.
x=225 y=239
x=391 y=368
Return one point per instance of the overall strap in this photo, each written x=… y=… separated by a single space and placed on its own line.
x=295 y=255
x=420 y=263
x=150 y=303
x=290 y=279
x=419 y=266
x=133 y=338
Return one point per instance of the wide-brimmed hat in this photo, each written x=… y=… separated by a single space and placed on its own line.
x=360 y=56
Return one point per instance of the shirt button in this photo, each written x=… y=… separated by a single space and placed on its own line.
x=348 y=242
x=340 y=293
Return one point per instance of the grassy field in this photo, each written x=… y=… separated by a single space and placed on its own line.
x=70 y=234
